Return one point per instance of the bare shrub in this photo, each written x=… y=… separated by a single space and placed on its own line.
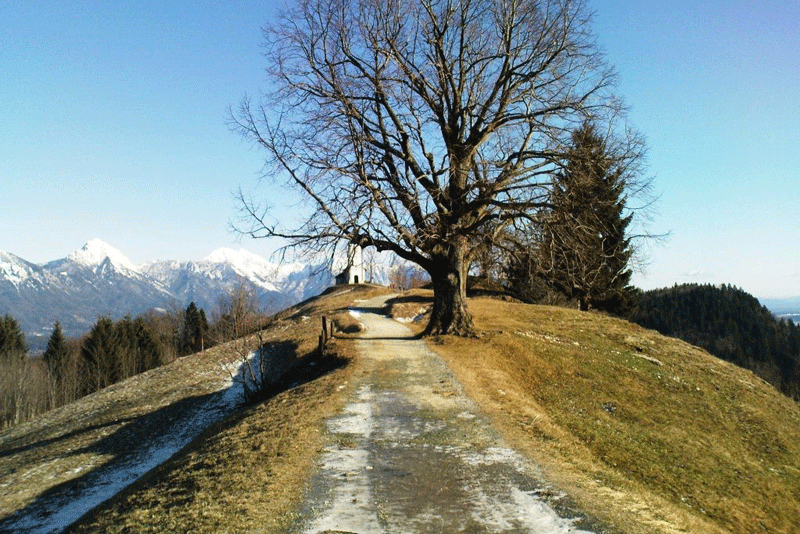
x=259 y=365
x=25 y=390
x=237 y=314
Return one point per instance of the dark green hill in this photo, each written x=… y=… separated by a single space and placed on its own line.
x=729 y=323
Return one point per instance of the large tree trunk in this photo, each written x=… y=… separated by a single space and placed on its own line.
x=449 y=277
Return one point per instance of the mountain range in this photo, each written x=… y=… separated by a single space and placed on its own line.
x=98 y=280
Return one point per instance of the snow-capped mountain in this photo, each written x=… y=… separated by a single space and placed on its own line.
x=97 y=257
x=20 y=273
x=100 y=270
x=31 y=294
x=276 y=285
x=98 y=280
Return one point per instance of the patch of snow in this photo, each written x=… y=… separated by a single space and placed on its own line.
x=357 y=420
x=57 y=515
x=495 y=455
x=350 y=508
x=533 y=511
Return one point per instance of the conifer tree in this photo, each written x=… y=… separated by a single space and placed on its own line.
x=56 y=355
x=195 y=330
x=584 y=251
x=127 y=349
x=138 y=348
x=149 y=347
x=12 y=340
x=100 y=353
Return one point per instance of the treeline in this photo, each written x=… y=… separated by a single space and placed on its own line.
x=730 y=324
x=111 y=352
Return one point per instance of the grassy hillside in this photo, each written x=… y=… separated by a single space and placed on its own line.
x=730 y=324
x=645 y=431
x=243 y=472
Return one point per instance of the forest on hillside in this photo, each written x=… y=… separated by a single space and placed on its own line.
x=71 y=368
x=730 y=324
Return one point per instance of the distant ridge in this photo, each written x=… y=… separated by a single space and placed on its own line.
x=732 y=325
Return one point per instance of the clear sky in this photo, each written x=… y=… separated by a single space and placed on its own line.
x=113 y=118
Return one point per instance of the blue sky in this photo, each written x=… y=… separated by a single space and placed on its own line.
x=113 y=120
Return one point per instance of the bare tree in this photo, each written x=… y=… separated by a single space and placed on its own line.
x=237 y=314
x=411 y=125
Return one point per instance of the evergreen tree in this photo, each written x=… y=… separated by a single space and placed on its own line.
x=100 y=353
x=56 y=355
x=195 y=330
x=584 y=252
x=138 y=348
x=127 y=348
x=12 y=340
x=149 y=347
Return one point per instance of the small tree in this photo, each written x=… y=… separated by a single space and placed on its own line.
x=57 y=354
x=100 y=354
x=149 y=348
x=12 y=340
x=237 y=313
x=195 y=330
x=584 y=251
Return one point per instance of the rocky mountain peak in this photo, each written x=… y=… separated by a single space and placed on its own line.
x=96 y=252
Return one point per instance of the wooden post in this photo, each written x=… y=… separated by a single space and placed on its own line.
x=321 y=347
x=325 y=328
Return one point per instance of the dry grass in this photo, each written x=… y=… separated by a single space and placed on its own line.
x=247 y=475
x=65 y=444
x=412 y=308
x=242 y=475
x=646 y=432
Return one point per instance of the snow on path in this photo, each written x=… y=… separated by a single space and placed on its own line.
x=61 y=511
x=411 y=453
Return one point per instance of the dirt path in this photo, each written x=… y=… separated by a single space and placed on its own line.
x=410 y=453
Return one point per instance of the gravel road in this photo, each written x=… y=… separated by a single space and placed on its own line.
x=411 y=453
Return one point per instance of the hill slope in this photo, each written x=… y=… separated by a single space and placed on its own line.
x=644 y=432
x=730 y=324
x=58 y=459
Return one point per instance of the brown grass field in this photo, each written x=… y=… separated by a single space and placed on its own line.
x=644 y=432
